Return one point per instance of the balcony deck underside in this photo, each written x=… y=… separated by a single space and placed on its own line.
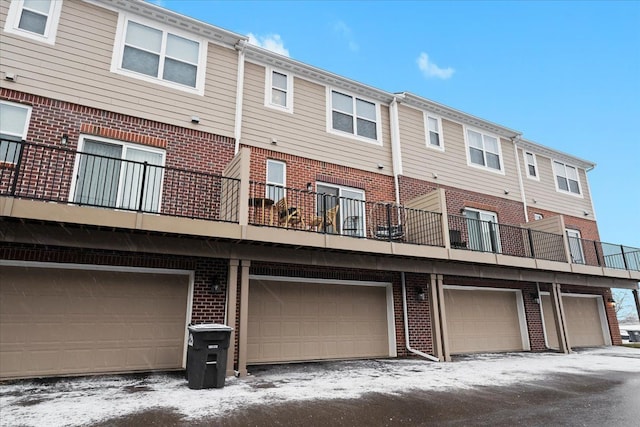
x=162 y=234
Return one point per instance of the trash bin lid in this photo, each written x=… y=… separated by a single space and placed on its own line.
x=209 y=327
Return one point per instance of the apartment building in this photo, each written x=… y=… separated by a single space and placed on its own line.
x=159 y=171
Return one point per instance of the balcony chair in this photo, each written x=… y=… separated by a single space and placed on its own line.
x=288 y=215
x=455 y=239
x=330 y=218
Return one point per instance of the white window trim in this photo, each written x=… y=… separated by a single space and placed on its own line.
x=535 y=165
x=23 y=135
x=484 y=168
x=555 y=178
x=330 y=129
x=340 y=196
x=125 y=145
x=426 y=131
x=268 y=87
x=275 y=184
x=118 y=50
x=53 y=19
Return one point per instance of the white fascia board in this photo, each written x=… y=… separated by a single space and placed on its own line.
x=554 y=154
x=425 y=104
x=261 y=56
x=172 y=19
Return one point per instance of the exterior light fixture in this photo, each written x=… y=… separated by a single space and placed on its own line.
x=535 y=298
x=612 y=302
x=65 y=139
x=216 y=288
x=309 y=187
x=422 y=295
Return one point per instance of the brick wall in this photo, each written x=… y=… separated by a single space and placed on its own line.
x=419 y=313
x=207 y=307
x=301 y=171
x=509 y=211
x=588 y=227
x=185 y=148
x=531 y=308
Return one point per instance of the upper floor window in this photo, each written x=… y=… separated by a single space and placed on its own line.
x=484 y=151
x=433 y=130
x=144 y=51
x=532 y=165
x=279 y=90
x=14 y=122
x=354 y=116
x=35 y=19
x=276 y=179
x=566 y=178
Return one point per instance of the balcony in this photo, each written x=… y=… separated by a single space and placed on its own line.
x=140 y=195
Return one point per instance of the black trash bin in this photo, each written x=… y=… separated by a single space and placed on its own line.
x=207 y=355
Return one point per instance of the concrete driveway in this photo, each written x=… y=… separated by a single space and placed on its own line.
x=588 y=388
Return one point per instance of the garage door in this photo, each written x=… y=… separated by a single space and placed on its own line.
x=584 y=321
x=307 y=321
x=57 y=322
x=483 y=320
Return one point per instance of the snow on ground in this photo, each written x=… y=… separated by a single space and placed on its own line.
x=78 y=401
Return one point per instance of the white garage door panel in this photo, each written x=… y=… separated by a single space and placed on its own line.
x=307 y=321
x=56 y=322
x=584 y=321
x=479 y=321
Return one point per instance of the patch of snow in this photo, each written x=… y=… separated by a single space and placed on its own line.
x=79 y=401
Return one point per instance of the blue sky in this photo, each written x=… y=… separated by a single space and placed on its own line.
x=566 y=74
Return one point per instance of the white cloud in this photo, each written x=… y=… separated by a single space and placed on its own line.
x=430 y=69
x=272 y=42
x=343 y=30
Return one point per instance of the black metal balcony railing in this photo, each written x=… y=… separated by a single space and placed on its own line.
x=64 y=175
x=595 y=253
x=487 y=236
x=57 y=174
x=306 y=210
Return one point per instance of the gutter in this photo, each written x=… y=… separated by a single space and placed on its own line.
x=520 y=181
x=406 y=324
x=237 y=130
x=396 y=151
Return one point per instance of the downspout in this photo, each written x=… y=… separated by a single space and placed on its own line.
x=237 y=131
x=586 y=180
x=520 y=181
x=396 y=154
x=406 y=323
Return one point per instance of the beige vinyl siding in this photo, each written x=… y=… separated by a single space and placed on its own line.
x=304 y=132
x=77 y=69
x=451 y=166
x=548 y=198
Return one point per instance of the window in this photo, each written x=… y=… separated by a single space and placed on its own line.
x=279 y=90
x=484 y=151
x=34 y=19
x=14 y=122
x=354 y=116
x=276 y=179
x=159 y=56
x=575 y=246
x=532 y=165
x=433 y=126
x=350 y=216
x=566 y=178
x=113 y=174
x=484 y=234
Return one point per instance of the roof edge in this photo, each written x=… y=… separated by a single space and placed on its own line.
x=174 y=19
x=555 y=154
